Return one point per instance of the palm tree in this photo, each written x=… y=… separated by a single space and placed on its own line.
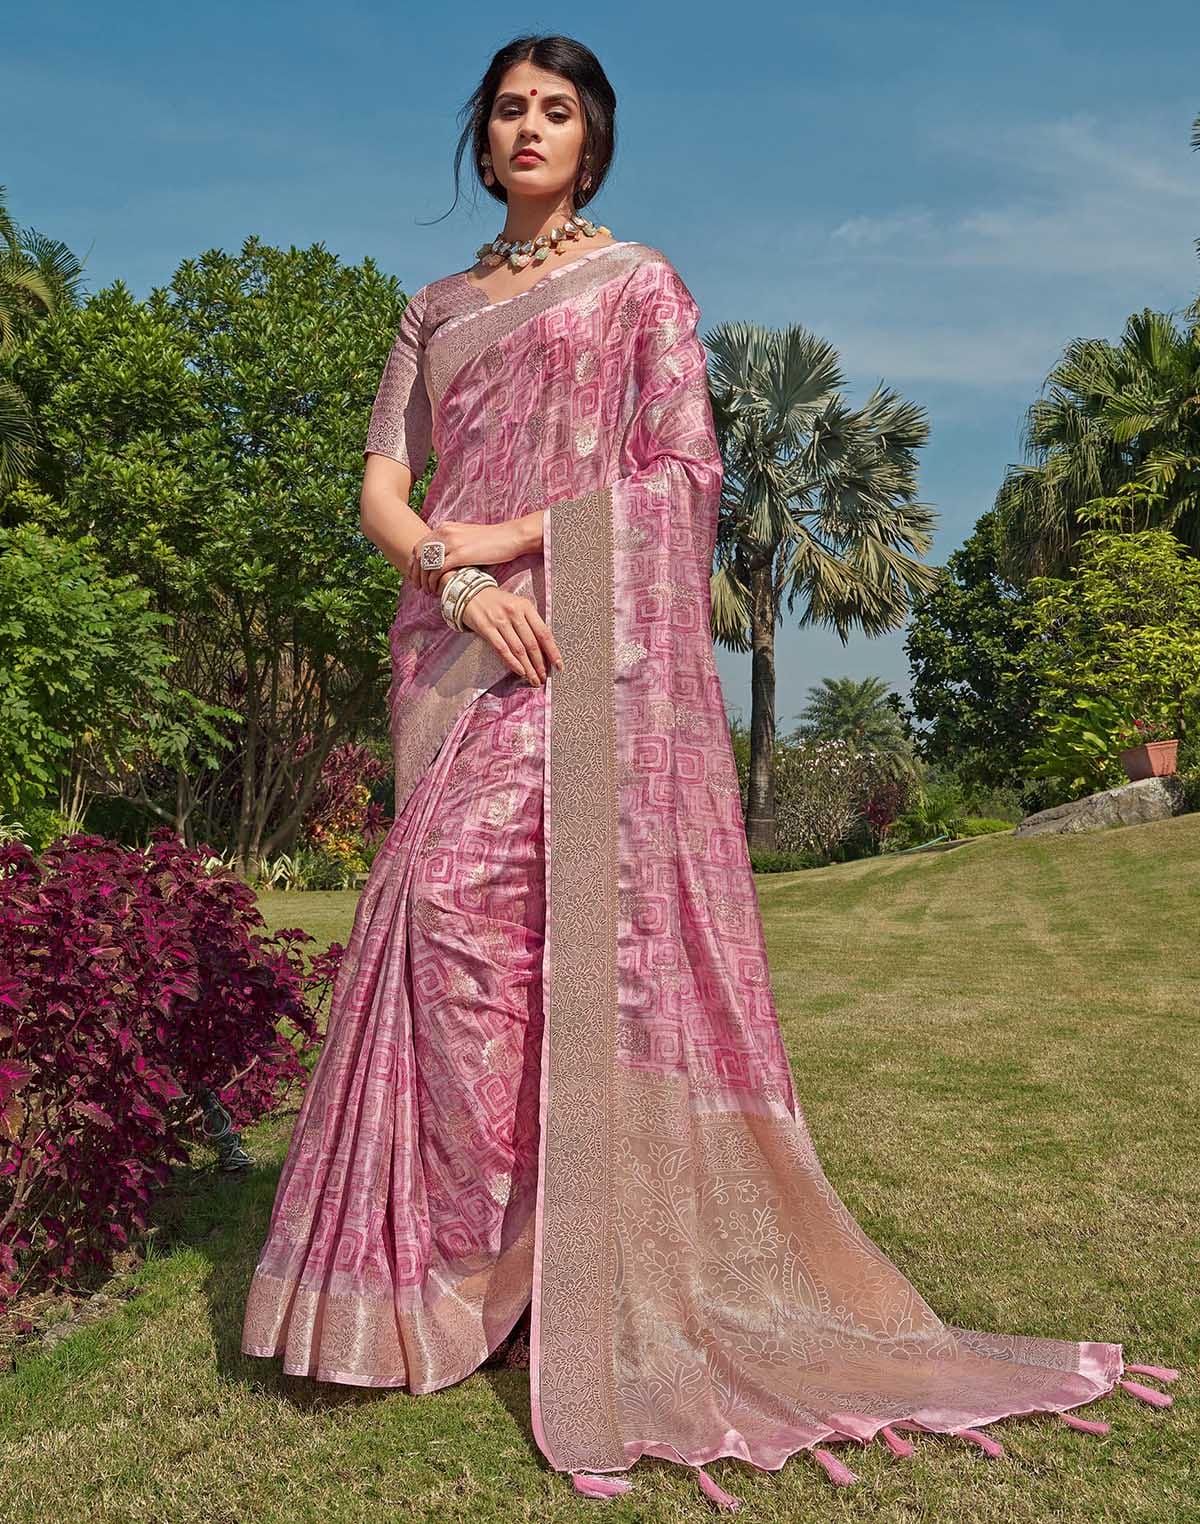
x=1115 y=414
x=818 y=507
x=38 y=275
x=861 y=715
x=1120 y=422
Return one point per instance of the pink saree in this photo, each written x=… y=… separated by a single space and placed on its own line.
x=617 y=1143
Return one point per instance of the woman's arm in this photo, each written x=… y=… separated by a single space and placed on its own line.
x=512 y=625
x=389 y=523
x=383 y=511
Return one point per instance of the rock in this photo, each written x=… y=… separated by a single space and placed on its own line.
x=1131 y=804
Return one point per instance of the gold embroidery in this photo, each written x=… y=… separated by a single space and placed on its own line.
x=582 y=998
x=537 y=354
x=501 y=808
x=629 y=653
x=462 y=982
x=430 y=914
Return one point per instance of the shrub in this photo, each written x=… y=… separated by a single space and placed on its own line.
x=343 y=821
x=884 y=798
x=980 y=825
x=130 y=982
x=783 y=862
x=40 y=824
x=1078 y=751
x=1187 y=762
x=1116 y=642
x=819 y=788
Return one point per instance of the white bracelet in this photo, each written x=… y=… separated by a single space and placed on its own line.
x=460 y=587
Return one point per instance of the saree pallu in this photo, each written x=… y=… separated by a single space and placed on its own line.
x=698 y=1287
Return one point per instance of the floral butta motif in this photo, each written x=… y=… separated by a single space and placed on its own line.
x=698 y=1288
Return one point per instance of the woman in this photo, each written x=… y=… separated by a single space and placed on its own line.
x=553 y=1077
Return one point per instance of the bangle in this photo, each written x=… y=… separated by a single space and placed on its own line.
x=460 y=588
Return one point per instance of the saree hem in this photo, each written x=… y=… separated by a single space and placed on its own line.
x=349 y=1378
x=869 y=1428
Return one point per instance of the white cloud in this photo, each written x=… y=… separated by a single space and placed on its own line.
x=1095 y=199
x=872 y=232
x=1063 y=228
x=980 y=354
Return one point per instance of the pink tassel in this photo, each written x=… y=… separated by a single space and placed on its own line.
x=600 y=1486
x=1147 y=1394
x=894 y=1443
x=988 y=1446
x=838 y=1473
x=719 y=1496
x=1160 y=1372
x=1086 y=1425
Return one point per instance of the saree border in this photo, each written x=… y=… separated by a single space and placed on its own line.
x=468 y=336
x=571 y=1345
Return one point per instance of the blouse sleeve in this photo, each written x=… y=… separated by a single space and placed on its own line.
x=401 y=418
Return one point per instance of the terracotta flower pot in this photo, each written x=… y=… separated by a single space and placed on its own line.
x=1153 y=759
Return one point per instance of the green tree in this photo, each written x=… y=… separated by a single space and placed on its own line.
x=211 y=439
x=860 y=713
x=972 y=695
x=1114 y=644
x=38 y=276
x=818 y=510
x=82 y=663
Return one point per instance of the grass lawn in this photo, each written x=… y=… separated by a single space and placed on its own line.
x=996 y=1049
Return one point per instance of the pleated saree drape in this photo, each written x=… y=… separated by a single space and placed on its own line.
x=698 y=1288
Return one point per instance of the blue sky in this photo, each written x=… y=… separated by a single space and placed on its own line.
x=947 y=193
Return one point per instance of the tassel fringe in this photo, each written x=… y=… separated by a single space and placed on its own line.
x=718 y=1495
x=1159 y=1372
x=600 y=1486
x=1086 y=1425
x=838 y=1473
x=987 y=1445
x=894 y=1443
x=614 y=1486
x=1147 y=1394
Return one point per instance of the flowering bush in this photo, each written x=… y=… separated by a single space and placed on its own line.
x=819 y=790
x=342 y=817
x=130 y=982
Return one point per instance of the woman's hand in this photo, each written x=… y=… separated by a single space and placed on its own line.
x=467 y=545
x=513 y=626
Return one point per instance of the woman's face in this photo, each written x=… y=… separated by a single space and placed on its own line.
x=541 y=111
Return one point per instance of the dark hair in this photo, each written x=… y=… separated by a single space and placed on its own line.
x=573 y=61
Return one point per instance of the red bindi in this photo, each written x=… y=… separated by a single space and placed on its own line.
x=533 y=91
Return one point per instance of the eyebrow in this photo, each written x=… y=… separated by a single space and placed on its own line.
x=512 y=95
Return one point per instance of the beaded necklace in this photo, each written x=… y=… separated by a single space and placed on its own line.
x=537 y=249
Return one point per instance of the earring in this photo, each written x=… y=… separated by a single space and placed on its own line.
x=488 y=177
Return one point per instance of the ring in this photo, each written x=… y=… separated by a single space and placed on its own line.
x=433 y=554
